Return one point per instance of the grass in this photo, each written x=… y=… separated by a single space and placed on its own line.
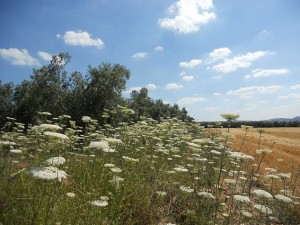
x=171 y=172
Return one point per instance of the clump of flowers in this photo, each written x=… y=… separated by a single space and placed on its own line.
x=48 y=173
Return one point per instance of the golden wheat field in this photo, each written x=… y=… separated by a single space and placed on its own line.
x=284 y=143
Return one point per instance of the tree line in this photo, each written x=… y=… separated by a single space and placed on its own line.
x=51 y=89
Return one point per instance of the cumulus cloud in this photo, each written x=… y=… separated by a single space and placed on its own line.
x=218 y=54
x=242 y=61
x=173 y=86
x=295 y=87
x=18 y=57
x=246 y=92
x=188 y=16
x=217 y=94
x=257 y=73
x=187 y=77
x=190 y=100
x=158 y=49
x=151 y=86
x=45 y=56
x=139 y=55
x=190 y=64
x=293 y=96
x=81 y=38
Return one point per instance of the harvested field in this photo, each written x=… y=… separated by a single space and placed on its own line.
x=284 y=142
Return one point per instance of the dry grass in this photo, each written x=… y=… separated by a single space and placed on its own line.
x=284 y=142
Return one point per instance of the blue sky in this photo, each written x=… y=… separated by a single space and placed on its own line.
x=210 y=56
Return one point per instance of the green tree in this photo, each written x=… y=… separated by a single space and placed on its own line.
x=6 y=101
x=105 y=84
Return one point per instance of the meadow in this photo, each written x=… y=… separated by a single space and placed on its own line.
x=171 y=172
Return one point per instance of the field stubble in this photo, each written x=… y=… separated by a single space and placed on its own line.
x=284 y=142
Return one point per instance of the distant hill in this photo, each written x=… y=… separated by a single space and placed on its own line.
x=297 y=118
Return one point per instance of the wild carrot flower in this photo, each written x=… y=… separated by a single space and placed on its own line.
x=241 y=198
x=58 y=136
x=48 y=173
x=262 y=194
x=55 y=161
x=263 y=209
x=205 y=194
x=16 y=151
x=186 y=189
x=70 y=194
x=283 y=198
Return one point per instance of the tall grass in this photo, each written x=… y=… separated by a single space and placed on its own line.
x=171 y=172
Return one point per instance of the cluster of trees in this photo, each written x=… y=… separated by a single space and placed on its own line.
x=53 y=90
x=261 y=123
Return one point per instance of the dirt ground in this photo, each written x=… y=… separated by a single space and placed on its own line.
x=284 y=142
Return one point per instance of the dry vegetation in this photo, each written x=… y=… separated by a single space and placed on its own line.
x=284 y=142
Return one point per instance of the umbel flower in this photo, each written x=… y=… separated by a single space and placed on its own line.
x=48 y=173
x=55 y=161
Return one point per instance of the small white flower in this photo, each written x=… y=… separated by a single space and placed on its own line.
x=181 y=169
x=161 y=193
x=70 y=194
x=239 y=155
x=48 y=173
x=126 y=158
x=284 y=175
x=283 y=198
x=16 y=151
x=263 y=209
x=205 y=194
x=100 y=203
x=115 y=170
x=55 y=135
x=56 y=161
x=262 y=194
x=186 y=189
x=241 y=198
x=86 y=119
x=49 y=127
x=246 y=214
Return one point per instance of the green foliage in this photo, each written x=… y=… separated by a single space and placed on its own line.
x=51 y=89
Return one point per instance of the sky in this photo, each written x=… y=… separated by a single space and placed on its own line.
x=209 y=56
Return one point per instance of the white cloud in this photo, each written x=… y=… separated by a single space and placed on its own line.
x=292 y=96
x=218 y=54
x=173 y=86
x=263 y=34
x=217 y=94
x=151 y=86
x=187 y=77
x=81 y=38
x=158 y=49
x=139 y=55
x=242 y=61
x=295 y=87
x=190 y=100
x=246 y=92
x=188 y=16
x=132 y=89
x=45 y=56
x=266 y=73
x=18 y=57
x=190 y=64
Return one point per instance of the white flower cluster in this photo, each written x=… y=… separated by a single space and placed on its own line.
x=48 y=173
